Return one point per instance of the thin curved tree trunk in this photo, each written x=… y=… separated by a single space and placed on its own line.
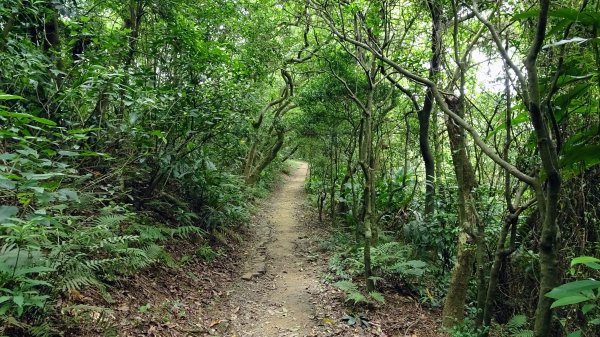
x=424 y=115
x=365 y=162
x=548 y=192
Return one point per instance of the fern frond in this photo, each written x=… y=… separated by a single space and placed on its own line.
x=517 y=321
x=377 y=296
x=158 y=253
x=100 y=265
x=185 y=231
x=150 y=233
x=110 y=220
x=119 y=239
x=87 y=308
x=346 y=286
x=76 y=282
x=43 y=330
x=356 y=297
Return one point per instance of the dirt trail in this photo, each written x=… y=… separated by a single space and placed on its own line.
x=273 y=297
x=279 y=291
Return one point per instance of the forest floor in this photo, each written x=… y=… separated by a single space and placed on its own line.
x=268 y=285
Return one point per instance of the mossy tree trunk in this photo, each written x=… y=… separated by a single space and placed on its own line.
x=454 y=304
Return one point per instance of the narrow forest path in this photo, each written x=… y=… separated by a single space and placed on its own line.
x=279 y=290
x=273 y=296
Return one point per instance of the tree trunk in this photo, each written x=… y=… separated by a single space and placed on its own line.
x=365 y=162
x=254 y=175
x=454 y=305
x=510 y=224
x=424 y=115
x=547 y=196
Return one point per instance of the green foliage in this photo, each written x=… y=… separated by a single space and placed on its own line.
x=434 y=238
x=466 y=328
x=390 y=260
x=582 y=295
x=206 y=253
x=391 y=263
x=54 y=245
x=395 y=192
x=125 y=128
x=225 y=200
x=517 y=326
x=354 y=294
x=21 y=286
x=393 y=259
x=356 y=320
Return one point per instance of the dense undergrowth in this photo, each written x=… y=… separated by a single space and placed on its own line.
x=78 y=221
x=413 y=258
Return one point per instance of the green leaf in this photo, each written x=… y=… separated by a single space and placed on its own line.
x=34 y=270
x=8 y=156
x=526 y=15
x=587 y=308
x=579 y=154
x=29 y=152
x=5 y=97
x=518 y=119
x=42 y=176
x=589 y=261
x=68 y=153
x=350 y=320
x=376 y=279
x=8 y=212
x=575 y=334
x=573 y=288
x=36 y=189
x=571 y=14
x=4 y=309
x=523 y=333
x=563 y=101
x=416 y=264
x=18 y=300
x=68 y=194
x=569 y=300
x=518 y=321
x=7 y=184
x=20 y=115
x=82 y=131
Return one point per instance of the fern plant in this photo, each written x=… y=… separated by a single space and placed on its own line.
x=355 y=295
x=516 y=327
x=43 y=329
